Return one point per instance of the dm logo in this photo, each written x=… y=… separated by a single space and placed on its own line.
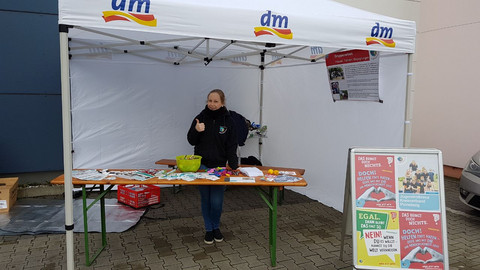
x=133 y=14
x=272 y=24
x=381 y=35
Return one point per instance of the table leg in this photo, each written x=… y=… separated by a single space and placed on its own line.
x=101 y=198
x=271 y=199
x=273 y=225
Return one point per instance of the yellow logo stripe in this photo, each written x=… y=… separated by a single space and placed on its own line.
x=372 y=40
x=268 y=29
x=133 y=18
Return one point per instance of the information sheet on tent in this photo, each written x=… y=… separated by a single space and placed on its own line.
x=397 y=205
x=353 y=75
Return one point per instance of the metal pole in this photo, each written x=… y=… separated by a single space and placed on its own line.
x=262 y=69
x=409 y=104
x=67 y=146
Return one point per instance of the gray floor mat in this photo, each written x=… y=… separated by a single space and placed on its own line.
x=37 y=216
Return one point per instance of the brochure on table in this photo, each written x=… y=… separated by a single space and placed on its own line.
x=398 y=217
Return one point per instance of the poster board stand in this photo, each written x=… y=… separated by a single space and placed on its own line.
x=394 y=208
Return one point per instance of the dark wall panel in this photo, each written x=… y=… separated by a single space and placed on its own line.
x=30 y=101
x=31 y=137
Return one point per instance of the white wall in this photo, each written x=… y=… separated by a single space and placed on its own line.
x=446 y=102
x=306 y=129
x=128 y=115
x=444 y=96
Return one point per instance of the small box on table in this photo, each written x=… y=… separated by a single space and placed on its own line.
x=138 y=195
x=8 y=193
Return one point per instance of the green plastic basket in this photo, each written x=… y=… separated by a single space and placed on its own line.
x=189 y=163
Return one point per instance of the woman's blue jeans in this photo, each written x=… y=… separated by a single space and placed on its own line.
x=212 y=204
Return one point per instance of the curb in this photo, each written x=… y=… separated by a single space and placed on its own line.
x=41 y=190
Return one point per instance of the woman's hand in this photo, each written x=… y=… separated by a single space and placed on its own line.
x=200 y=127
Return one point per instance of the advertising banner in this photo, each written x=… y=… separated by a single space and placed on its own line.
x=398 y=210
x=353 y=75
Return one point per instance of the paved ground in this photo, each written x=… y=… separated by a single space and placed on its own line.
x=170 y=236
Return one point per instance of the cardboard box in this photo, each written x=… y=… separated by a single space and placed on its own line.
x=138 y=195
x=8 y=193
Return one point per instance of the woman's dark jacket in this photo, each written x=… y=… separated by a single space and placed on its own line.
x=217 y=144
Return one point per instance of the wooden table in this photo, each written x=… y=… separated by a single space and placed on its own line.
x=268 y=191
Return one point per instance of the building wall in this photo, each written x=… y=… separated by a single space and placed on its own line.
x=30 y=101
x=446 y=100
x=444 y=97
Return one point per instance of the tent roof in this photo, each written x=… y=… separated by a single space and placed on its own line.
x=320 y=23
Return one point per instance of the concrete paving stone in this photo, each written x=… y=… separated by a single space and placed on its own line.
x=338 y=263
x=244 y=251
x=324 y=254
x=206 y=264
x=226 y=248
x=152 y=258
x=262 y=253
x=188 y=262
x=235 y=259
x=181 y=252
x=8 y=248
x=281 y=256
x=241 y=266
x=139 y=264
x=217 y=256
x=286 y=249
x=261 y=267
x=120 y=265
x=298 y=258
x=194 y=246
x=101 y=267
x=132 y=248
x=34 y=261
x=253 y=261
x=102 y=261
x=148 y=249
x=317 y=260
x=169 y=260
x=288 y=264
x=191 y=268
x=53 y=257
x=173 y=244
x=305 y=251
x=330 y=248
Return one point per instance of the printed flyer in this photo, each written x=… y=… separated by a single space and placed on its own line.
x=398 y=220
x=418 y=182
x=375 y=181
x=378 y=239
x=421 y=240
x=353 y=75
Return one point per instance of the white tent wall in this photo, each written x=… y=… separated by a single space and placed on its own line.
x=130 y=114
x=306 y=129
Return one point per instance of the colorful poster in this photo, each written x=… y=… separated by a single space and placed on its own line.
x=375 y=181
x=353 y=75
x=398 y=220
x=421 y=240
x=418 y=182
x=378 y=239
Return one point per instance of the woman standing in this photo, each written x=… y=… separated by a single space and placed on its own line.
x=213 y=134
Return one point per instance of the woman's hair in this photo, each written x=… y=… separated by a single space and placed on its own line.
x=220 y=93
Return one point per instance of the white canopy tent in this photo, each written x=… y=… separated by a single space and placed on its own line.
x=135 y=72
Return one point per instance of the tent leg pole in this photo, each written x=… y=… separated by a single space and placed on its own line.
x=407 y=136
x=262 y=75
x=67 y=148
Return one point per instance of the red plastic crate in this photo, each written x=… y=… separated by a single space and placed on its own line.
x=138 y=195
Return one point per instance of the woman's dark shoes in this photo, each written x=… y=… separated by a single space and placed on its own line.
x=208 y=238
x=217 y=235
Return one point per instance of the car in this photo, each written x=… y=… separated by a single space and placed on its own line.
x=470 y=183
